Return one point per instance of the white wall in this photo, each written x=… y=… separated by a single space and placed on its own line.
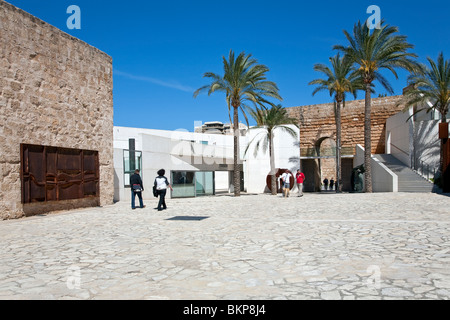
x=406 y=139
x=399 y=136
x=287 y=156
x=427 y=144
x=123 y=134
x=118 y=175
x=221 y=179
x=383 y=179
x=173 y=150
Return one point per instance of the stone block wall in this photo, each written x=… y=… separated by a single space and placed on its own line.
x=317 y=122
x=55 y=90
x=318 y=126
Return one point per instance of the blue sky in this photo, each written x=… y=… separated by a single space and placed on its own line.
x=161 y=49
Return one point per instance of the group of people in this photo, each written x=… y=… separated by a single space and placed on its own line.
x=285 y=180
x=331 y=183
x=160 y=186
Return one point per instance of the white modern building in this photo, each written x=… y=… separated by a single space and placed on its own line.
x=412 y=150
x=196 y=164
x=412 y=137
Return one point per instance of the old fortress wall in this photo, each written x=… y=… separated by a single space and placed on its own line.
x=317 y=122
x=318 y=132
x=55 y=90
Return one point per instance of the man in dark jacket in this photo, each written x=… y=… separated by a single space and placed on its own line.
x=137 y=187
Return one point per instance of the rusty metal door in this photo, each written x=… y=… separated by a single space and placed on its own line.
x=53 y=174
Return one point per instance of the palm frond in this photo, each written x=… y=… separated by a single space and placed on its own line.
x=384 y=48
x=271 y=119
x=430 y=87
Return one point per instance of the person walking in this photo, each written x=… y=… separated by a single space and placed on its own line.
x=137 y=187
x=299 y=178
x=280 y=179
x=161 y=184
x=325 y=183
x=286 y=178
x=331 y=183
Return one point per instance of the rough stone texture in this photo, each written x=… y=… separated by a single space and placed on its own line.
x=54 y=90
x=317 y=122
x=317 y=127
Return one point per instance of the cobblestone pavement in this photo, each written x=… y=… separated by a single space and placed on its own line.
x=320 y=246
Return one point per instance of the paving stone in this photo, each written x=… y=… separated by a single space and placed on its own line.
x=330 y=295
x=396 y=292
x=247 y=249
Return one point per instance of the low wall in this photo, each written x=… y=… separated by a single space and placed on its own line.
x=383 y=179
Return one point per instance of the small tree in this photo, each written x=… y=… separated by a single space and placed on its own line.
x=339 y=80
x=243 y=80
x=270 y=120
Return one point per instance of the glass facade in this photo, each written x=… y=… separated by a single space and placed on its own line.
x=183 y=184
x=204 y=183
x=192 y=184
x=132 y=160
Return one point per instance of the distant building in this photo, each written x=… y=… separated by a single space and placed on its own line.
x=217 y=127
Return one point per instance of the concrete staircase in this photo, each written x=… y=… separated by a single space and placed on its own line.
x=408 y=180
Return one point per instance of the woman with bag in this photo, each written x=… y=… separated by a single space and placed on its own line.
x=161 y=184
x=137 y=187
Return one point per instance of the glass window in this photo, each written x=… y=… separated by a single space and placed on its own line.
x=132 y=160
x=183 y=184
x=204 y=183
x=192 y=184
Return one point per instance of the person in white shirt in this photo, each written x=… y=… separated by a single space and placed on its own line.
x=161 y=184
x=285 y=177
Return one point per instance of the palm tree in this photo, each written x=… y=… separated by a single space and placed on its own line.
x=372 y=52
x=244 y=80
x=431 y=86
x=341 y=79
x=269 y=120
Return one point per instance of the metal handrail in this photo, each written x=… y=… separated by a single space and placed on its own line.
x=423 y=168
x=393 y=145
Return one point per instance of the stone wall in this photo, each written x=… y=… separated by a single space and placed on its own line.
x=55 y=90
x=317 y=127
x=317 y=122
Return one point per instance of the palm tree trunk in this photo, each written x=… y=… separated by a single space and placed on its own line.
x=237 y=167
x=338 y=147
x=273 y=178
x=368 y=139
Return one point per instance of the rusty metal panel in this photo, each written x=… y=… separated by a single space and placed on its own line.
x=446 y=165
x=52 y=174
x=69 y=190
x=443 y=130
x=33 y=175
